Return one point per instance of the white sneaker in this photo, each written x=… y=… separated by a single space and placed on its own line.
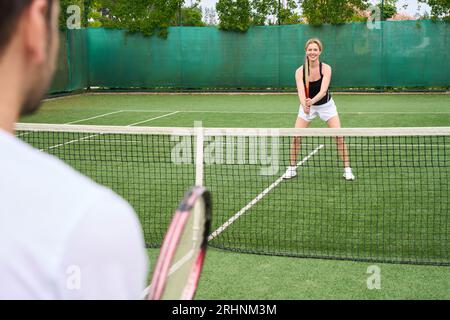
x=290 y=173
x=348 y=174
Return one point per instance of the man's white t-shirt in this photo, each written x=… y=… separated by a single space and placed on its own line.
x=61 y=235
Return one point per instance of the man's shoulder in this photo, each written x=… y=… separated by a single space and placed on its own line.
x=32 y=171
x=61 y=216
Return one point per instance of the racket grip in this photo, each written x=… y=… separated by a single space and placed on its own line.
x=307 y=97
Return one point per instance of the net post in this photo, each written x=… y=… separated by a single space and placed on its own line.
x=199 y=134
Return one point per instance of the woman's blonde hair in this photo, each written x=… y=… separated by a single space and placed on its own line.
x=314 y=40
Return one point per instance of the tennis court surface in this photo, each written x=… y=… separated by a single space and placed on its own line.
x=397 y=210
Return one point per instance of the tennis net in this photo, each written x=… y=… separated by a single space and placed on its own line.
x=397 y=209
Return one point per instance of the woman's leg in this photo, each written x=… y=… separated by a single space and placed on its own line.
x=335 y=122
x=295 y=144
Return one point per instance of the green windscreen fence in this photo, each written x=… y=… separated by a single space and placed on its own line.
x=78 y=59
x=72 y=64
x=397 y=54
x=61 y=81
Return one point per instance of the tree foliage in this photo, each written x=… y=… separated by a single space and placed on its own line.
x=210 y=16
x=331 y=11
x=155 y=16
x=440 y=9
x=190 y=16
x=287 y=15
x=94 y=16
x=389 y=9
x=239 y=15
x=145 y=16
x=234 y=15
x=262 y=10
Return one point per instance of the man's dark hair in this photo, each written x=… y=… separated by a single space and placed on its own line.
x=10 y=13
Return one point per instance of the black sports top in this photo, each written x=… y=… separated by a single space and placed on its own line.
x=314 y=87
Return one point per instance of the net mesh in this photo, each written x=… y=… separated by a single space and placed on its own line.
x=138 y=167
x=397 y=209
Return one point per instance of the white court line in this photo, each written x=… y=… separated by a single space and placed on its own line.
x=23 y=134
x=95 y=135
x=392 y=112
x=211 y=111
x=116 y=141
x=371 y=146
x=177 y=265
x=70 y=142
x=173 y=268
x=95 y=117
x=78 y=121
x=165 y=115
x=258 y=197
x=144 y=293
x=287 y=112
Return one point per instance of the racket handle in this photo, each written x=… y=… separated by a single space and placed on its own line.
x=307 y=97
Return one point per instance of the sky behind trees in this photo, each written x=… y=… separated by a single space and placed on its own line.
x=412 y=8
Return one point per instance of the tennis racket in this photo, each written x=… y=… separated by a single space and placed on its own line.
x=183 y=250
x=306 y=76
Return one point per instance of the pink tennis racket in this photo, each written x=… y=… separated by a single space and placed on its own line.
x=183 y=250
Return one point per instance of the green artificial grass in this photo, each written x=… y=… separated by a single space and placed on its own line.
x=229 y=276
x=328 y=231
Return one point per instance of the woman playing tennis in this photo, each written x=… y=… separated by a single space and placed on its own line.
x=315 y=99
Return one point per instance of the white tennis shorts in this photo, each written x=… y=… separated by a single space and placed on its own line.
x=324 y=111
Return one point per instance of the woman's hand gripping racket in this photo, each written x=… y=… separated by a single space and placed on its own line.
x=183 y=250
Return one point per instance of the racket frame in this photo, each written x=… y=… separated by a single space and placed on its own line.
x=306 y=67
x=172 y=240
